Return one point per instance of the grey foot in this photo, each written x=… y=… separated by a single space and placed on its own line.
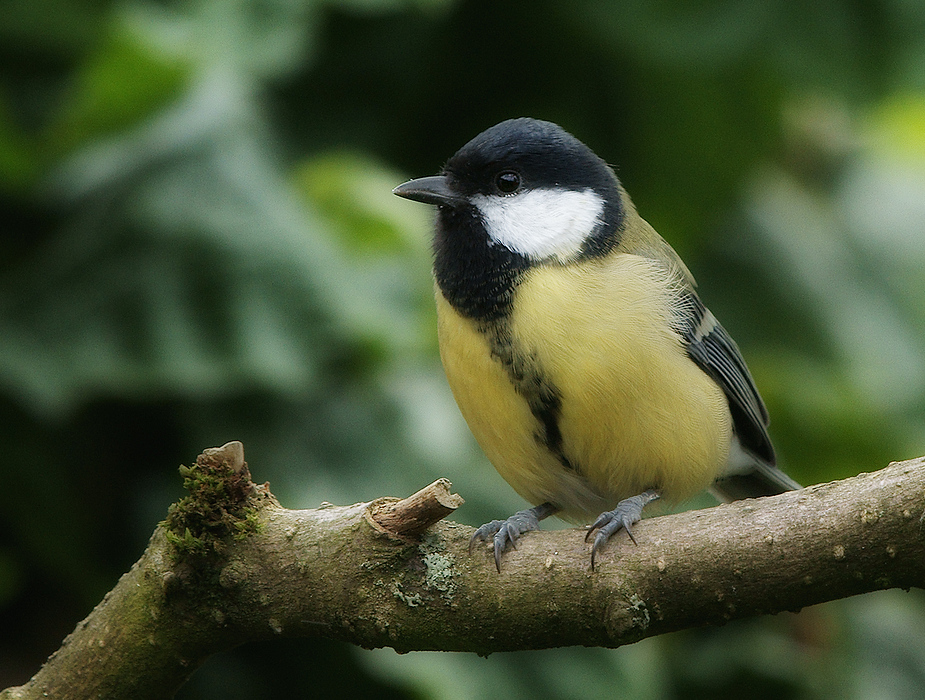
x=627 y=513
x=504 y=533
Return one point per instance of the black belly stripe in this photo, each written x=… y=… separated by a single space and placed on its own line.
x=547 y=413
x=479 y=279
x=541 y=395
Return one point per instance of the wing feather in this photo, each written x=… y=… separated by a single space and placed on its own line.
x=715 y=352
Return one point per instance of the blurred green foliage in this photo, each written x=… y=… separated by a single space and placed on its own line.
x=199 y=244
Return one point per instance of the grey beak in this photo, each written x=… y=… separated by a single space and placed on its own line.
x=430 y=190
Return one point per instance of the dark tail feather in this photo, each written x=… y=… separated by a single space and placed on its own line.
x=763 y=480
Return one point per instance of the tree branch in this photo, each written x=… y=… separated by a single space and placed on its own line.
x=219 y=573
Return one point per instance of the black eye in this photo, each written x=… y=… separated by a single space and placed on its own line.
x=507 y=181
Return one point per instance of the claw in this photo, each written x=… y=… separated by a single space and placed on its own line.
x=483 y=533
x=627 y=513
x=504 y=533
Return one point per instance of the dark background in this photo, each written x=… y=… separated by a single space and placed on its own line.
x=198 y=243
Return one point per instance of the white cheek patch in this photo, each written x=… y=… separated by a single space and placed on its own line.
x=542 y=223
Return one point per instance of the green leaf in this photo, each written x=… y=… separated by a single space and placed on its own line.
x=124 y=81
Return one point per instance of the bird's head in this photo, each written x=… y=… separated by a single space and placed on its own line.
x=532 y=188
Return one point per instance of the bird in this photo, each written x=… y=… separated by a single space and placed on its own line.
x=575 y=344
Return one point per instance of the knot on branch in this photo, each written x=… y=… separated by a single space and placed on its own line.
x=220 y=504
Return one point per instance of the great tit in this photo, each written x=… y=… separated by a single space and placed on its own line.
x=581 y=357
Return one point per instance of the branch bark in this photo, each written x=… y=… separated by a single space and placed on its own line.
x=362 y=574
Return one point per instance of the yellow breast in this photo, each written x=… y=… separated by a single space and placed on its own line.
x=636 y=412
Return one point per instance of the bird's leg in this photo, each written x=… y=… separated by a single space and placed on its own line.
x=627 y=513
x=504 y=533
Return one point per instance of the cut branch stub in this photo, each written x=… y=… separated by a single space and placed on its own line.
x=410 y=517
